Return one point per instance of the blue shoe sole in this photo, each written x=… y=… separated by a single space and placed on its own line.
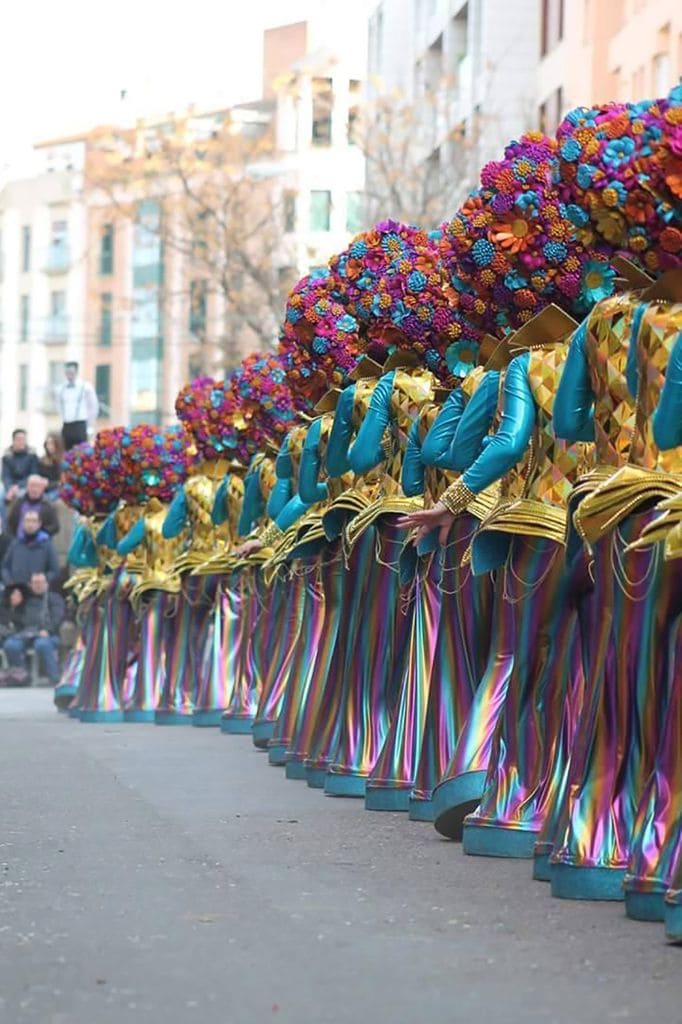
x=421 y=810
x=453 y=800
x=315 y=777
x=101 y=716
x=345 y=785
x=138 y=715
x=261 y=733
x=205 y=719
x=295 y=770
x=172 y=718
x=384 y=799
x=673 y=922
x=645 y=906
x=277 y=755
x=236 y=726
x=494 y=841
x=574 y=883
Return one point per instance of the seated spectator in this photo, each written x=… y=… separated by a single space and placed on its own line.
x=35 y=500
x=36 y=619
x=30 y=554
x=18 y=463
x=50 y=464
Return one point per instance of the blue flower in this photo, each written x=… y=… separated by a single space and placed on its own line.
x=358 y=248
x=416 y=281
x=514 y=280
x=432 y=359
x=399 y=313
x=597 y=281
x=320 y=345
x=619 y=151
x=347 y=323
x=482 y=252
x=460 y=357
x=554 y=252
x=319 y=274
x=581 y=116
x=529 y=203
x=576 y=215
x=571 y=150
x=675 y=95
x=585 y=174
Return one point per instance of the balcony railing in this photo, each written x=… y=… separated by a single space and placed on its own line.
x=58 y=259
x=57 y=329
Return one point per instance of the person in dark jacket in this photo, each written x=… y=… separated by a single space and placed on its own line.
x=18 y=463
x=33 y=499
x=30 y=554
x=38 y=620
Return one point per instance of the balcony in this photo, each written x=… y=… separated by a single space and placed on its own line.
x=57 y=329
x=58 y=259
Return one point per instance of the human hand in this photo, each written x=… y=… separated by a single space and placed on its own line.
x=438 y=517
x=248 y=547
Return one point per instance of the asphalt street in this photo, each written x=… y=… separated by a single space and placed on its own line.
x=169 y=875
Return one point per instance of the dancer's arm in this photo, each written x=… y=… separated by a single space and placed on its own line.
x=573 y=416
x=367 y=451
x=133 y=538
x=310 y=489
x=668 y=415
x=176 y=516
x=437 y=446
x=476 y=422
x=341 y=434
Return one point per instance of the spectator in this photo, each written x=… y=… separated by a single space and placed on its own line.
x=33 y=499
x=50 y=464
x=18 y=463
x=78 y=405
x=30 y=554
x=36 y=618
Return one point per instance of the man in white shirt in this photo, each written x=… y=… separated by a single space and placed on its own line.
x=78 y=406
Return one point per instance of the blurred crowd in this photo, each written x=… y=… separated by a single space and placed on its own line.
x=36 y=622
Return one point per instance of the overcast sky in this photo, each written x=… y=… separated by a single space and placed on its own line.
x=65 y=62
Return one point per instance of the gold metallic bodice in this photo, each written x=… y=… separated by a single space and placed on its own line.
x=267 y=478
x=614 y=409
x=659 y=330
x=555 y=465
x=412 y=389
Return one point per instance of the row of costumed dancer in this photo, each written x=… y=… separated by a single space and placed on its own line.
x=425 y=553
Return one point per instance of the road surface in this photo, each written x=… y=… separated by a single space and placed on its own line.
x=168 y=875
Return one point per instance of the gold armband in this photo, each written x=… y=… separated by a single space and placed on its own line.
x=270 y=535
x=457 y=497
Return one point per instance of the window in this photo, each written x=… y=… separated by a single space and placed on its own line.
x=55 y=378
x=57 y=304
x=320 y=210
x=103 y=388
x=106 y=250
x=106 y=318
x=147 y=235
x=195 y=366
x=57 y=327
x=197 y=307
x=58 y=252
x=551 y=111
x=322 y=111
x=354 y=88
x=26 y=248
x=289 y=210
x=354 y=212
x=552 y=25
x=25 y=316
x=662 y=79
x=23 y=387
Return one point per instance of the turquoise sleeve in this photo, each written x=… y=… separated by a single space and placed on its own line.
x=310 y=489
x=668 y=415
x=133 y=538
x=366 y=451
x=292 y=511
x=438 y=444
x=176 y=516
x=573 y=416
x=341 y=435
x=412 y=479
x=279 y=496
x=475 y=423
x=82 y=551
x=253 y=505
x=283 y=466
x=106 y=535
x=505 y=448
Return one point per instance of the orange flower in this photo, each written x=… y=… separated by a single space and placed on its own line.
x=639 y=207
x=671 y=239
x=513 y=235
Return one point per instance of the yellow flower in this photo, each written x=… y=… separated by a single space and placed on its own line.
x=611 y=225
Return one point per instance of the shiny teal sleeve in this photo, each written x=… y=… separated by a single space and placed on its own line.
x=292 y=511
x=133 y=538
x=475 y=423
x=219 y=510
x=341 y=435
x=631 y=369
x=366 y=451
x=106 y=535
x=283 y=466
x=176 y=516
x=437 y=449
x=506 y=447
x=668 y=415
x=310 y=489
x=412 y=479
x=573 y=416
x=253 y=505
x=280 y=495
x=82 y=551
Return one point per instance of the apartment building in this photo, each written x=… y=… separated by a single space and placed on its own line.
x=594 y=51
x=43 y=247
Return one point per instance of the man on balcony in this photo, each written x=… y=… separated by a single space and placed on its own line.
x=78 y=405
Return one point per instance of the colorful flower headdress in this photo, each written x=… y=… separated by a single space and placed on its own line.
x=620 y=174
x=206 y=408
x=259 y=406
x=511 y=249
x=320 y=340
x=154 y=462
x=394 y=283
x=84 y=485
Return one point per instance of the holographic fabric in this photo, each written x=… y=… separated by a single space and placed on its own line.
x=183 y=630
x=98 y=699
x=373 y=656
x=459 y=661
x=246 y=690
x=284 y=613
x=637 y=597
x=217 y=652
x=151 y=666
